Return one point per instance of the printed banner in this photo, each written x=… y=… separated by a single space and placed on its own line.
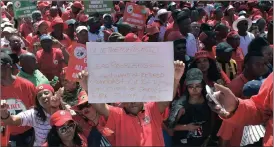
x=135 y=15
x=100 y=6
x=77 y=61
x=130 y=72
x=23 y=8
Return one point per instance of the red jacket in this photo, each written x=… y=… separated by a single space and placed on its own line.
x=251 y=111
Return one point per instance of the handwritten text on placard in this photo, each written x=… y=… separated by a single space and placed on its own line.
x=130 y=72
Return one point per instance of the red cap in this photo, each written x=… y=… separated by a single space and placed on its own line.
x=82 y=98
x=57 y=20
x=44 y=87
x=43 y=4
x=60 y=117
x=41 y=22
x=77 y=4
x=66 y=15
x=83 y=18
x=131 y=37
x=203 y=54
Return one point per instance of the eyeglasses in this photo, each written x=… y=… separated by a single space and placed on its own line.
x=64 y=129
x=85 y=105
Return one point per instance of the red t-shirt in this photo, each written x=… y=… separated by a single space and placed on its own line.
x=66 y=42
x=50 y=64
x=145 y=129
x=20 y=96
x=25 y=29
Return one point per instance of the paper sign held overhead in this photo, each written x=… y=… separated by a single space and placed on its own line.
x=130 y=72
x=98 y=6
x=24 y=9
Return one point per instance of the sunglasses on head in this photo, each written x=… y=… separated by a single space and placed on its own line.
x=85 y=105
x=64 y=129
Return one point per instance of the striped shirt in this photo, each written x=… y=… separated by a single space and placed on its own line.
x=41 y=129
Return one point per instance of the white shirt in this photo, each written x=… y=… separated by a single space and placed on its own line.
x=151 y=20
x=102 y=28
x=41 y=129
x=191 y=45
x=162 y=32
x=245 y=40
x=92 y=37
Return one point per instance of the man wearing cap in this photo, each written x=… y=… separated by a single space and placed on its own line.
x=224 y=60
x=77 y=53
x=16 y=45
x=107 y=27
x=233 y=39
x=50 y=60
x=58 y=27
x=94 y=25
x=242 y=25
x=26 y=27
x=19 y=94
x=161 y=22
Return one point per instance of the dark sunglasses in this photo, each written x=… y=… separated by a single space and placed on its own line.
x=85 y=105
x=65 y=129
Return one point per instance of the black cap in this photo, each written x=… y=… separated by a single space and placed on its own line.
x=5 y=58
x=223 y=47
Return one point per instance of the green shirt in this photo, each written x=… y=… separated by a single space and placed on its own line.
x=37 y=78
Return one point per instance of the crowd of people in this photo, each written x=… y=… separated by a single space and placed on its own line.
x=227 y=45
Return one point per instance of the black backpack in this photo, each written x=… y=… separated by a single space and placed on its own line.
x=96 y=139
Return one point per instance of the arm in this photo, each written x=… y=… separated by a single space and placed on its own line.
x=253 y=108
x=65 y=54
x=179 y=68
x=13 y=120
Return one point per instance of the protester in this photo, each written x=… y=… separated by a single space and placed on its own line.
x=152 y=34
x=16 y=91
x=38 y=117
x=108 y=26
x=28 y=70
x=58 y=26
x=94 y=26
x=64 y=131
x=208 y=38
x=161 y=22
x=225 y=61
x=117 y=117
x=192 y=124
x=241 y=25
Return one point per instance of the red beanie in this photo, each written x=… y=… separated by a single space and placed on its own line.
x=43 y=87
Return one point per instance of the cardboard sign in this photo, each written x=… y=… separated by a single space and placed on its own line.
x=135 y=15
x=99 y=6
x=24 y=9
x=130 y=72
x=77 y=61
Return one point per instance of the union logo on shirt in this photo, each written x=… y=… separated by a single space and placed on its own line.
x=15 y=106
x=80 y=52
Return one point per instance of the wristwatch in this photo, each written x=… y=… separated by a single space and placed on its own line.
x=6 y=117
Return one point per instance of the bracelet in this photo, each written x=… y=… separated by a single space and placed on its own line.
x=6 y=117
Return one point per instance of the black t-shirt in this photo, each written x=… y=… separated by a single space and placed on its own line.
x=194 y=113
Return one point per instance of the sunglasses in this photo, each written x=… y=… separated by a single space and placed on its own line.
x=65 y=129
x=85 y=105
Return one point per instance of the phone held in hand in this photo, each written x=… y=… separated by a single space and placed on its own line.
x=211 y=95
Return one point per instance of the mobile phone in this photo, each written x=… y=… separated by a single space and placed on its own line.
x=211 y=96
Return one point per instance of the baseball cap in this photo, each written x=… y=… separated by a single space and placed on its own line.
x=9 y=30
x=223 y=47
x=251 y=88
x=60 y=117
x=83 y=18
x=81 y=99
x=194 y=76
x=45 y=37
x=77 y=4
x=203 y=54
x=106 y=15
x=5 y=58
x=70 y=21
x=57 y=20
x=81 y=28
x=131 y=37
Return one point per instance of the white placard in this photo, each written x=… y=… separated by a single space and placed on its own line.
x=130 y=72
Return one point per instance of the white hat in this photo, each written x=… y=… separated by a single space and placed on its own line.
x=230 y=7
x=5 y=20
x=161 y=12
x=9 y=3
x=81 y=28
x=9 y=30
x=105 y=15
x=6 y=24
x=241 y=18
